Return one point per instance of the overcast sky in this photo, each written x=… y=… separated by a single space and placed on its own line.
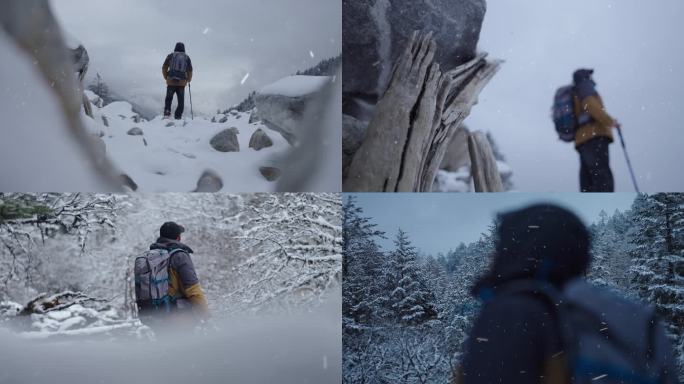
x=128 y=40
x=437 y=222
x=635 y=48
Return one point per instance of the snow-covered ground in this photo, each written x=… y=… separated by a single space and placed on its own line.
x=171 y=155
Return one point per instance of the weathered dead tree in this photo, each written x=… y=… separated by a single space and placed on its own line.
x=81 y=61
x=483 y=167
x=415 y=119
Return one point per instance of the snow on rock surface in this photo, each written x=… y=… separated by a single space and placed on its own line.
x=172 y=155
x=458 y=181
x=281 y=106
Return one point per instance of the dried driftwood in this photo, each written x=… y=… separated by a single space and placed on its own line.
x=414 y=120
x=484 y=171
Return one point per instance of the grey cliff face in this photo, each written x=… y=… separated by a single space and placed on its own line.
x=375 y=32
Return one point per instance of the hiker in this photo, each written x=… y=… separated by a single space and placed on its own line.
x=593 y=134
x=540 y=322
x=177 y=71
x=175 y=277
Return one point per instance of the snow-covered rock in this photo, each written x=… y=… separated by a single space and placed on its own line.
x=68 y=314
x=260 y=140
x=458 y=181
x=9 y=309
x=209 y=182
x=281 y=105
x=270 y=173
x=226 y=140
x=174 y=155
x=135 y=131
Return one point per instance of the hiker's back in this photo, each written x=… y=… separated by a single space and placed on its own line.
x=151 y=271
x=178 y=66
x=612 y=338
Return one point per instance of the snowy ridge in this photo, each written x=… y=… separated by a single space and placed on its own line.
x=296 y=86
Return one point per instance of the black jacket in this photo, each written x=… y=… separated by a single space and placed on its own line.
x=515 y=335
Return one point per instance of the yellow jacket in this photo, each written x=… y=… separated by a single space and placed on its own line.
x=602 y=124
x=193 y=293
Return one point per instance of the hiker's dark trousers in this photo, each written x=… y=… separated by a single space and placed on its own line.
x=180 y=93
x=595 y=173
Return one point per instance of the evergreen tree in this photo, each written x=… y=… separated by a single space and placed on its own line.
x=658 y=271
x=361 y=267
x=100 y=88
x=409 y=296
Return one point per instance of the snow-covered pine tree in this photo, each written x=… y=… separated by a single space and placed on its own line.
x=362 y=264
x=658 y=271
x=409 y=296
x=100 y=88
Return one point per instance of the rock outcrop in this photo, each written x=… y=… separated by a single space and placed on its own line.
x=375 y=32
x=226 y=140
x=135 y=131
x=270 y=173
x=210 y=181
x=260 y=140
x=281 y=106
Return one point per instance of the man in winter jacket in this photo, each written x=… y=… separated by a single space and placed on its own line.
x=177 y=71
x=516 y=338
x=593 y=135
x=184 y=285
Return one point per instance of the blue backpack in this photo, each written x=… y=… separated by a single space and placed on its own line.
x=178 y=68
x=605 y=336
x=563 y=113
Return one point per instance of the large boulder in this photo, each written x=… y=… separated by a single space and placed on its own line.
x=226 y=140
x=375 y=32
x=260 y=140
x=210 y=181
x=135 y=131
x=270 y=173
x=281 y=105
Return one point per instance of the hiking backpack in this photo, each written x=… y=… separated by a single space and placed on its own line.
x=563 y=113
x=605 y=336
x=178 y=67
x=151 y=271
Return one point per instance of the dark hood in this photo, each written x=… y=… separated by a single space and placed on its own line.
x=584 y=84
x=180 y=47
x=169 y=244
x=540 y=242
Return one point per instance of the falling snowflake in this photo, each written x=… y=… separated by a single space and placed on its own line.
x=244 y=78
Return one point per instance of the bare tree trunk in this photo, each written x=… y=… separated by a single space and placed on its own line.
x=484 y=170
x=415 y=119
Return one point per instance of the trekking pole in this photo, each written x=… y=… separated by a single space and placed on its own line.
x=192 y=114
x=629 y=163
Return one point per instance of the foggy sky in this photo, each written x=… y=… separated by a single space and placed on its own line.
x=437 y=222
x=635 y=48
x=128 y=40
